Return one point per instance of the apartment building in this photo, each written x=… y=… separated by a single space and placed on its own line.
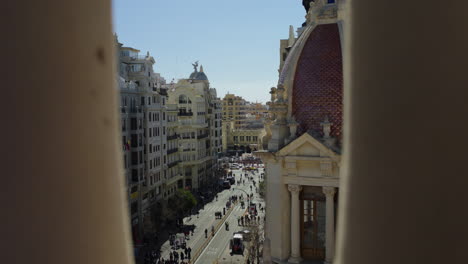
x=234 y=108
x=144 y=130
x=198 y=130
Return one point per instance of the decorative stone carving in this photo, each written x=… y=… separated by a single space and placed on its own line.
x=306 y=4
x=272 y=94
x=294 y=188
x=326 y=168
x=293 y=127
x=326 y=127
x=329 y=191
x=280 y=94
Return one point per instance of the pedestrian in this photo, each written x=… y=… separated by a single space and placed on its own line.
x=171 y=256
x=238 y=221
x=189 y=251
x=206 y=233
x=182 y=255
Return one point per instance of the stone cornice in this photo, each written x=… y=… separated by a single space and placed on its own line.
x=312 y=181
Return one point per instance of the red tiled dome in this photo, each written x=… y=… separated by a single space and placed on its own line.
x=318 y=82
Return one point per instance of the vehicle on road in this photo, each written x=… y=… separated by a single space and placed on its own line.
x=231 y=180
x=252 y=209
x=227 y=184
x=237 y=244
x=246 y=234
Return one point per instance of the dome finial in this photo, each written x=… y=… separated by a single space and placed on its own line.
x=201 y=68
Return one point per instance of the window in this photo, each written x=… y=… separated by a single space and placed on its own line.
x=142 y=100
x=241 y=138
x=149 y=100
x=134 y=158
x=151 y=148
x=182 y=99
x=133 y=124
x=136 y=67
x=164 y=116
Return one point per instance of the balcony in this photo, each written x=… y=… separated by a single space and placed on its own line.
x=135 y=110
x=172 y=137
x=172 y=164
x=181 y=113
x=193 y=123
x=170 y=151
x=203 y=136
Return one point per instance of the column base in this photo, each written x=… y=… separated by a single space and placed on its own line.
x=294 y=260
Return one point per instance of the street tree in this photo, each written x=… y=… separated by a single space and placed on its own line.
x=181 y=203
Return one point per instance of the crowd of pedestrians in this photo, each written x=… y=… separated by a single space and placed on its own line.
x=175 y=257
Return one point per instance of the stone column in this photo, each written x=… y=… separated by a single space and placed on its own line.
x=330 y=224
x=295 y=224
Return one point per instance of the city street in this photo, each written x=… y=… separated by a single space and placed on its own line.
x=218 y=248
x=210 y=249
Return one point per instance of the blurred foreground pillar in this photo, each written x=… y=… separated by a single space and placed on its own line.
x=403 y=198
x=62 y=180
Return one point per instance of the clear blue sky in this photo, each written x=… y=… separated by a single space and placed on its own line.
x=237 y=42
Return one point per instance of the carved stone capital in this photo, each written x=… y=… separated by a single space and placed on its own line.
x=294 y=188
x=329 y=191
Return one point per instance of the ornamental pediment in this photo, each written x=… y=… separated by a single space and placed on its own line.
x=307 y=147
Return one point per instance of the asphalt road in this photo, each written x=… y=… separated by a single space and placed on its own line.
x=206 y=220
x=218 y=247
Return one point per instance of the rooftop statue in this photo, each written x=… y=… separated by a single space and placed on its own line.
x=195 y=66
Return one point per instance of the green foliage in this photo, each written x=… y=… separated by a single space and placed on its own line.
x=262 y=189
x=186 y=199
x=182 y=201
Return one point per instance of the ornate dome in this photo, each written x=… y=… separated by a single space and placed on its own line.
x=317 y=91
x=198 y=75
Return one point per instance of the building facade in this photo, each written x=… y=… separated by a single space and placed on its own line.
x=235 y=108
x=242 y=124
x=198 y=130
x=144 y=130
x=244 y=139
x=304 y=138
